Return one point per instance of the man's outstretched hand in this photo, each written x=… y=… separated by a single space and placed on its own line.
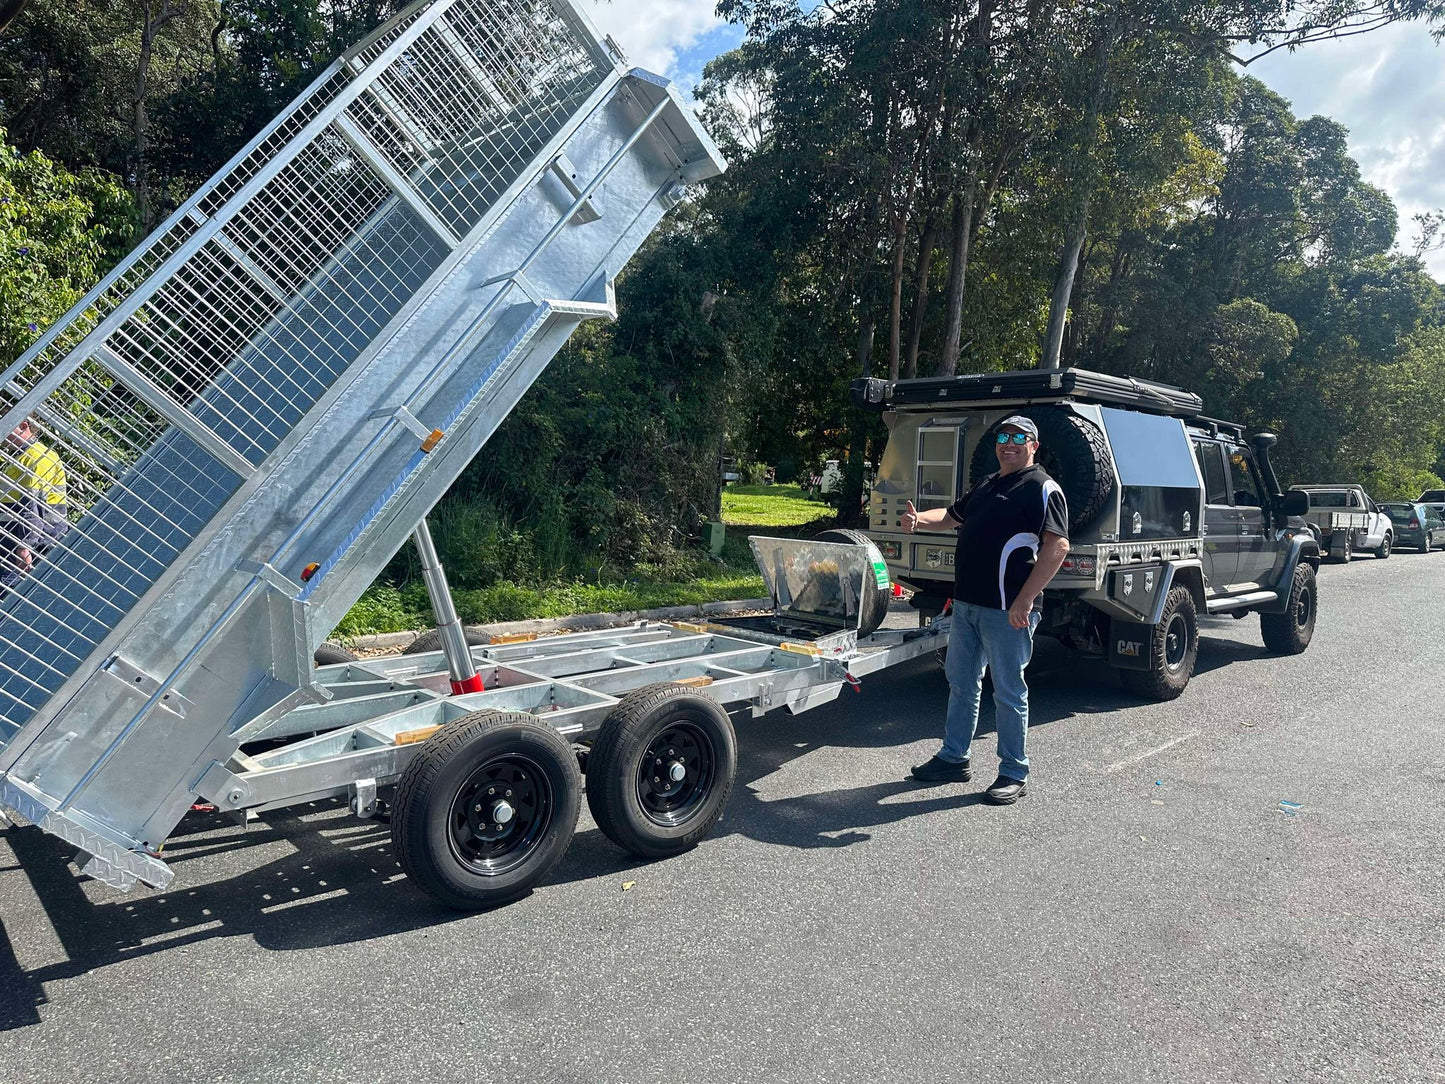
x=910 y=518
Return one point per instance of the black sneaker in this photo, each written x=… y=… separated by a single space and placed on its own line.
x=1004 y=791
x=938 y=770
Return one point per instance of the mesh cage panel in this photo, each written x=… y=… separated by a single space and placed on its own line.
x=229 y=323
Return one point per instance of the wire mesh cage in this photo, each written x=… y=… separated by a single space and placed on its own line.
x=169 y=385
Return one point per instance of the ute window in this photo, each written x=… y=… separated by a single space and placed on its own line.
x=1241 y=479
x=1327 y=500
x=1211 y=469
x=937 y=467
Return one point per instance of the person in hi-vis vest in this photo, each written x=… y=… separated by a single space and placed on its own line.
x=34 y=506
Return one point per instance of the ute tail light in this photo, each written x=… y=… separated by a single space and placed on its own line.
x=1078 y=566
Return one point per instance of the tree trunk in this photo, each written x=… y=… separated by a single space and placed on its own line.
x=850 y=510
x=958 y=271
x=154 y=22
x=923 y=265
x=895 y=296
x=863 y=354
x=1064 y=285
x=1084 y=193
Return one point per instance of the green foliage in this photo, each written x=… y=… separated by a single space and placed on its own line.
x=58 y=232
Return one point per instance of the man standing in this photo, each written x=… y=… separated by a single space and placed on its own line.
x=1013 y=533
x=34 y=504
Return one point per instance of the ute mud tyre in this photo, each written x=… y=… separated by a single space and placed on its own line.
x=661 y=770
x=431 y=640
x=1383 y=550
x=1290 y=633
x=486 y=809
x=1074 y=452
x=873 y=605
x=329 y=654
x=1175 y=650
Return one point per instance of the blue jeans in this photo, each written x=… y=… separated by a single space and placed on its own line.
x=982 y=637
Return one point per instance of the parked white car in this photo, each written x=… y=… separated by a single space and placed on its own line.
x=1345 y=520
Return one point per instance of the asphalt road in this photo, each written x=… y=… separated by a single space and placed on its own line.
x=1147 y=912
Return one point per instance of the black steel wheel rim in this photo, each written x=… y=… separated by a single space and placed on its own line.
x=1304 y=608
x=1176 y=642
x=500 y=814
x=676 y=774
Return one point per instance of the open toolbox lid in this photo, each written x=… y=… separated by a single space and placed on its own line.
x=818 y=582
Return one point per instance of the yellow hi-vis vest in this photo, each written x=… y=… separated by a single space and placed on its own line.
x=36 y=472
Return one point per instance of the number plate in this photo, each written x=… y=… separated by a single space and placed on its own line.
x=939 y=557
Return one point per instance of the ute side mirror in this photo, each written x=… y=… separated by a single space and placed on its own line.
x=1294 y=503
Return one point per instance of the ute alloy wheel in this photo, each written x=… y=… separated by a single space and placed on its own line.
x=486 y=809
x=661 y=770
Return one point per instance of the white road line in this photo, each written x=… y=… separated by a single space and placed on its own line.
x=1129 y=761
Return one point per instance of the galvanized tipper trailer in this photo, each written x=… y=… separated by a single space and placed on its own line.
x=260 y=405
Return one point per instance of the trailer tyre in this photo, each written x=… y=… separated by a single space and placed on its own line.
x=1174 y=651
x=1074 y=452
x=486 y=809
x=431 y=640
x=1290 y=633
x=329 y=654
x=873 y=605
x=661 y=770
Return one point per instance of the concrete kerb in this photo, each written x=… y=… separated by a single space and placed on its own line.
x=544 y=626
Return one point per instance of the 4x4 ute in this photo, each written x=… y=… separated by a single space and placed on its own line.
x=1171 y=514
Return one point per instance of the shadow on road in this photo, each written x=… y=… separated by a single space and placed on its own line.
x=337 y=882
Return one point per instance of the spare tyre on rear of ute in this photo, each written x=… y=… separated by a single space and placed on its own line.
x=1074 y=452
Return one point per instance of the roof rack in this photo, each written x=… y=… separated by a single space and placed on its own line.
x=1220 y=428
x=1028 y=386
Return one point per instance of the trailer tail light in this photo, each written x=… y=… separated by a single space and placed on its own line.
x=1078 y=566
x=892 y=551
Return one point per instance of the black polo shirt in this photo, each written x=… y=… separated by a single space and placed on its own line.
x=1004 y=518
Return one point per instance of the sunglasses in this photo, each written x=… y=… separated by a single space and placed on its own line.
x=1017 y=438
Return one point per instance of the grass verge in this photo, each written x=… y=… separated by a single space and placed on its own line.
x=782 y=510
x=772 y=506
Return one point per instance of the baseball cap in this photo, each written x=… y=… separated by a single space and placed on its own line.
x=1019 y=422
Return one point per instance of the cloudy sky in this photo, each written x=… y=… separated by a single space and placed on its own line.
x=1387 y=88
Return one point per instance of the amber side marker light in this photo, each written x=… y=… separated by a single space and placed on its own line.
x=309 y=571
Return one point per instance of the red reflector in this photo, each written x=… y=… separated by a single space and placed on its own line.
x=309 y=571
